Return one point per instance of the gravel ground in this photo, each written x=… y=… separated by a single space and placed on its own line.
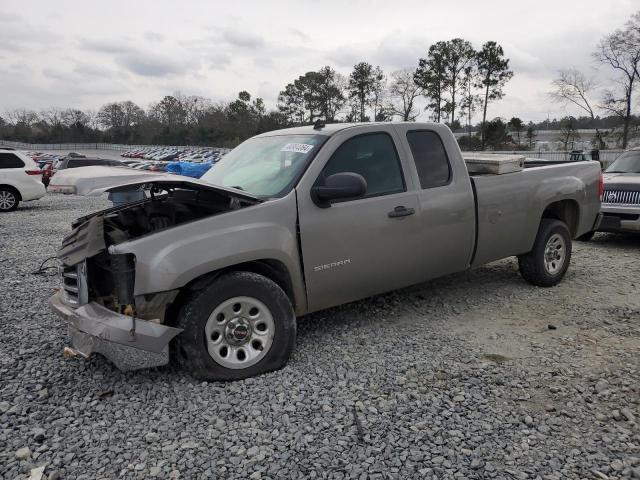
x=476 y=375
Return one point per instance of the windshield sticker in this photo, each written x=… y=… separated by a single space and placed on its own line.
x=297 y=147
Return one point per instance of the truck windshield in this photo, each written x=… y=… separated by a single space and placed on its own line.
x=628 y=162
x=265 y=167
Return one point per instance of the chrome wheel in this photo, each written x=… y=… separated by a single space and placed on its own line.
x=7 y=200
x=239 y=332
x=554 y=254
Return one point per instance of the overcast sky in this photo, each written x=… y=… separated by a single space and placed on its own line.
x=86 y=53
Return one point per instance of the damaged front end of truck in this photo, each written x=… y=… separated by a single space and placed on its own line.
x=98 y=296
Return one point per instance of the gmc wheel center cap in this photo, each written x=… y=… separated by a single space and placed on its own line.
x=238 y=330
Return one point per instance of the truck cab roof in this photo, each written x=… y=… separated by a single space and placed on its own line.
x=333 y=128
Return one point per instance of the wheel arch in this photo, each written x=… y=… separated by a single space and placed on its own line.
x=567 y=211
x=273 y=269
x=13 y=189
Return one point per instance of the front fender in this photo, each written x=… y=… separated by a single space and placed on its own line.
x=170 y=259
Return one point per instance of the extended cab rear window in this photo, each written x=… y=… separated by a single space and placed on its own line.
x=430 y=157
x=9 y=160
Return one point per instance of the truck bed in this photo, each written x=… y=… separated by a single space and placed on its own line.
x=509 y=206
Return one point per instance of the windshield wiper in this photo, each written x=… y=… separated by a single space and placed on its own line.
x=617 y=171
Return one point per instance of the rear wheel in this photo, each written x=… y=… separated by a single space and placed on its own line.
x=242 y=325
x=8 y=199
x=546 y=264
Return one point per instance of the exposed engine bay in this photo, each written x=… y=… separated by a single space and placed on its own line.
x=163 y=210
x=109 y=278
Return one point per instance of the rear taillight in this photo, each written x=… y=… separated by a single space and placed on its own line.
x=33 y=172
x=601 y=187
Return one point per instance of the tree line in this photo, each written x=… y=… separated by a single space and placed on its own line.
x=453 y=82
x=454 y=79
x=175 y=120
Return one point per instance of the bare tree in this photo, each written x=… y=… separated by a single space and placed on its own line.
x=133 y=114
x=22 y=116
x=92 y=121
x=621 y=51
x=568 y=133
x=53 y=117
x=195 y=107
x=111 y=115
x=572 y=87
x=74 y=118
x=403 y=93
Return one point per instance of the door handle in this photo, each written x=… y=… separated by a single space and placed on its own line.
x=401 y=211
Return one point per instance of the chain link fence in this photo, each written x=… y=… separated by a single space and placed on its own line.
x=94 y=146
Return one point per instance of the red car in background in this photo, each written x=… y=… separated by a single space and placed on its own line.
x=47 y=172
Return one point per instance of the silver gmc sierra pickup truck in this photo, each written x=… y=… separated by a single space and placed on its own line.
x=216 y=270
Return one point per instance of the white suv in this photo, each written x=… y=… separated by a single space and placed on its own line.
x=20 y=180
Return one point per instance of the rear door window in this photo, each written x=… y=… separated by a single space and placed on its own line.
x=9 y=160
x=372 y=155
x=430 y=157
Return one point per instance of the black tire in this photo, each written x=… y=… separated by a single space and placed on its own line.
x=534 y=267
x=191 y=347
x=9 y=199
x=586 y=237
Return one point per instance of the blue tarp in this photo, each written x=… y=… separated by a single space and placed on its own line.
x=189 y=169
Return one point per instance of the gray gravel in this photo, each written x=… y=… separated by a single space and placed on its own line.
x=477 y=375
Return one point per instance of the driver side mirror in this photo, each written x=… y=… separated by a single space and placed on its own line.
x=338 y=186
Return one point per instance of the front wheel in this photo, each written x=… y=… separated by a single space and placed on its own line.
x=242 y=325
x=546 y=264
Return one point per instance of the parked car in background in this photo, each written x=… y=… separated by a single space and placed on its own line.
x=621 y=197
x=295 y=221
x=76 y=162
x=189 y=154
x=20 y=179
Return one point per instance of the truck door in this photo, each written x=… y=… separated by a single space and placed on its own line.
x=359 y=247
x=445 y=198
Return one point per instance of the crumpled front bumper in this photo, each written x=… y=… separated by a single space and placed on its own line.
x=96 y=329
